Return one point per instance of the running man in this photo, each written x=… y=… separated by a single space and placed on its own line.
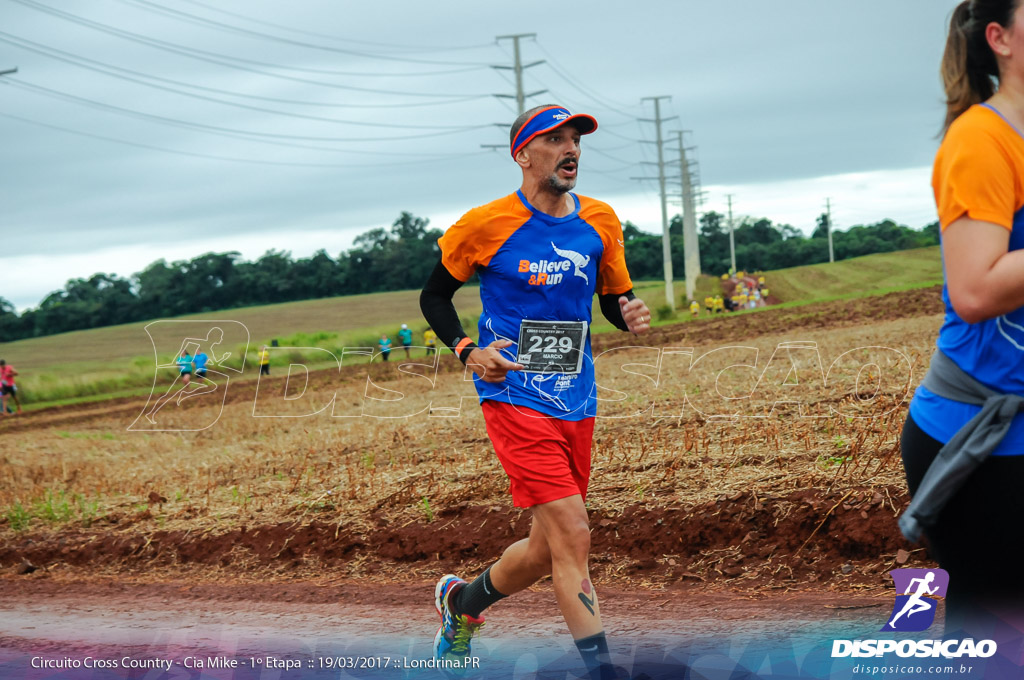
x=405 y=336
x=264 y=360
x=183 y=362
x=7 y=387
x=430 y=340
x=199 y=361
x=694 y=308
x=385 y=346
x=541 y=254
x=915 y=604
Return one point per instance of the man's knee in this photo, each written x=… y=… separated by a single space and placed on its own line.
x=572 y=541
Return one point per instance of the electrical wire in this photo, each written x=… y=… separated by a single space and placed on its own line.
x=219 y=158
x=11 y=82
x=112 y=71
x=561 y=72
x=195 y=19
x=608 y=155
x=219 y=59
x=253 y=138
x=413 y=48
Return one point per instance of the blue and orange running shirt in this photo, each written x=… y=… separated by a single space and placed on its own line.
x=533 y=266
x=979 y=173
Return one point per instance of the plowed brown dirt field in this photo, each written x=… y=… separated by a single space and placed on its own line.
x=774 y=502
x=705 y=493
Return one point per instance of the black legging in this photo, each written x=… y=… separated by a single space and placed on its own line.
x=979 y=535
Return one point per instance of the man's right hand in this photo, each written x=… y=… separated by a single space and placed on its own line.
x=488 y=363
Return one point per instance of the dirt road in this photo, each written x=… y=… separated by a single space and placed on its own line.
x=304 y=630
x=721 y=551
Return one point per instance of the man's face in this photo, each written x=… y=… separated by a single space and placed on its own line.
x=554 y=158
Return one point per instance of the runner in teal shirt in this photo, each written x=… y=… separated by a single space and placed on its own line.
x=405 y=335
x=185 y=366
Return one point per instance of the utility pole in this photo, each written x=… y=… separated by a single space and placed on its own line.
x=666 y=247
x=828 y=228
x=732 y=239
x=691 y=244
x=518 y=67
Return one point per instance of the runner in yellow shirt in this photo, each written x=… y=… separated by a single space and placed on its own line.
x=430 y=340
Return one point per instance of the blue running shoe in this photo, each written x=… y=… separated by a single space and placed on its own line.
x=452 y=642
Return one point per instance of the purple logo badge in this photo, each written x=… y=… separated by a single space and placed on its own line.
x=916 y=590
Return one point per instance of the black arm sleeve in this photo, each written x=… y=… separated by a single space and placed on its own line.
x=611 y=310
x=438 y=310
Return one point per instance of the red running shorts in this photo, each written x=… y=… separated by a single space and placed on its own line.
x=545 y=458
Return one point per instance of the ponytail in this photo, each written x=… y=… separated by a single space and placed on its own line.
x=965 y=87
x=968 y=64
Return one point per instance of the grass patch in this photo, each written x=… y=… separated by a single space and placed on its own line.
x=18 y=518
x=118 y=361
x=54 y=507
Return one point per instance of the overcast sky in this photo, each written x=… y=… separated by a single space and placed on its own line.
x=137 y=130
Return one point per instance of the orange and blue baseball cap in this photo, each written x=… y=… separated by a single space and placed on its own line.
x=548 y=119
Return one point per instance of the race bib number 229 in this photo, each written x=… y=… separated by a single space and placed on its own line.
x=551 y=346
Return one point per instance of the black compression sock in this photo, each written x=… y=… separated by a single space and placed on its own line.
x=473 y=598
x=594 y=650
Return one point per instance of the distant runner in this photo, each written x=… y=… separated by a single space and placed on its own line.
x=264 y=358
x=405 y=337
x=7 y=387
x=199 y=361
x=430 y=340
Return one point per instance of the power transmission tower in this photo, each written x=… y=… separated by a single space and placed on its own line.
x=732 y=239
x=828 y=228
x=519 y=67
x=666 y=247
x=691 y=244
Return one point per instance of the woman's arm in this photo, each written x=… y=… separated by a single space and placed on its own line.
x=984 y=279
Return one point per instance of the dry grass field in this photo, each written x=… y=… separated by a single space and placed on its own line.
x=757 y=451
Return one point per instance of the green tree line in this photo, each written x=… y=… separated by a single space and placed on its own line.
x=399 y=258
x=763 y=246
x=381 y=259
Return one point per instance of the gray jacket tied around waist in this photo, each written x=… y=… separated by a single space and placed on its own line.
x=968 y=448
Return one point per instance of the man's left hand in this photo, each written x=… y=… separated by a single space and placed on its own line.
x=635 y=314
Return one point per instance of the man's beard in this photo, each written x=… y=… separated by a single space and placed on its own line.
x=561 y=186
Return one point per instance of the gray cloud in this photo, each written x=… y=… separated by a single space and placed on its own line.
x=771 y=91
